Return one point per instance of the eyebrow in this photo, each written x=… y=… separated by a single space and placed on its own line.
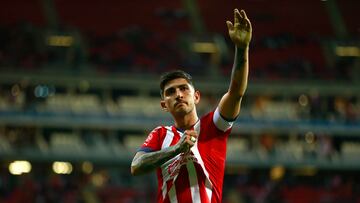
x=176 y=86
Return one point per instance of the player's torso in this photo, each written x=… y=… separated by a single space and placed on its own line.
x=199 y=170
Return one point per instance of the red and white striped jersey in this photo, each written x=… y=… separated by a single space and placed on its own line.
x=196 y=176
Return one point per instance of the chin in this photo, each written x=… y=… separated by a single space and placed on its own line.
x=182 y=111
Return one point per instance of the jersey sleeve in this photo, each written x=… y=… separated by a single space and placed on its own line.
x=152 y=142
x=220 y=122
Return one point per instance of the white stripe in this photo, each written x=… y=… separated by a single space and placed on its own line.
x=172 y=194
x=166 y=143
x=220 y=122
x=164 y=185
x=196 y=152
x=194 y=186
x=165 y=173
x=168 y=138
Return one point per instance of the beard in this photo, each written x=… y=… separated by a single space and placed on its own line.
x=183 y=109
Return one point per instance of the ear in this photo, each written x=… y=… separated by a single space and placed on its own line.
x=163 y=105
x=197 y=96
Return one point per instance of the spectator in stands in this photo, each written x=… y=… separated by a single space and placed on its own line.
x=190 y=155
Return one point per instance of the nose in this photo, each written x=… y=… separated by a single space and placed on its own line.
x=179 y=94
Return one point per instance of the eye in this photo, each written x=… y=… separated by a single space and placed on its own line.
x=170 y=91
x=184 y=88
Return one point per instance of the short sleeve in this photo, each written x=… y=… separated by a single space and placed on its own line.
x=152 y=142
x=221 y=123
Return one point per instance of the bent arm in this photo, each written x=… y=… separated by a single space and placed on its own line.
x=240 y=33
x=145 y=162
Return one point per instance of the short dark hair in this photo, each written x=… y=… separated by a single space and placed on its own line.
x=172 y=75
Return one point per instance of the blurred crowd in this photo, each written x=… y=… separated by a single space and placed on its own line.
x=25 y=97
x=135 y=49
x=114 y=185
x=284 y=48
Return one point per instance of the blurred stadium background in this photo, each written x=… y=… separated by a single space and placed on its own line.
x=79 y=93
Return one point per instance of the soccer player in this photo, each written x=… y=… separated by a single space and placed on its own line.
x=189 y=156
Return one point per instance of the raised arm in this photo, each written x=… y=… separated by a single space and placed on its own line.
x=240 y=33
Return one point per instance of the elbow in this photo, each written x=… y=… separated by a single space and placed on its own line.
x=237 y=92
x=134 y=170
x=236 y=95
x=135 y=165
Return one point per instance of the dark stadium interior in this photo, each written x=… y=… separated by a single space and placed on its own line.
x=79 y=93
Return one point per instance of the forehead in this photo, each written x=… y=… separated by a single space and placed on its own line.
x=176 y=82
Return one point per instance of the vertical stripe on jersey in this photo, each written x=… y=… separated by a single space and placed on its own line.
x=168 y=138
x=172 y=195
x=183 y=186
x=193 y=179
x=195 y=150
x=166 y=143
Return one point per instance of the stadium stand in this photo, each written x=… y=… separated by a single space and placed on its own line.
x=84 y=91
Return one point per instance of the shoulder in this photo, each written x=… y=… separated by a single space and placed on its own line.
x=215 y=118
x=157 y=129
x=154 y=139
x=159 y=132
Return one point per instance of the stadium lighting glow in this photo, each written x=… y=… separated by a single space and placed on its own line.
x=15 y=90
x=277 y=172
x=19 y=167
x=204 y=47
x=87 y=167
x=303 y=100
x=98 y=179
x=310 y=137
x=60 y=41
x=347 y=51
x=62 y=167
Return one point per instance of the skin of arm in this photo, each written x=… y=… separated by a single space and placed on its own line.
x=145 y=162
x=240 y=33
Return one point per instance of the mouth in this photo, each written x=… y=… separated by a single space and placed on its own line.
x=180 y=103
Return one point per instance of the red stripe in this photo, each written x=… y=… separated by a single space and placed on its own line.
x=162 y=136
x=182 y=184
x=160 y=184
x=201 y=181
x=168 y=187
x=176 y=136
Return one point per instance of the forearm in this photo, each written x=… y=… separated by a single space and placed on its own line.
x=239 y=75
x=149 y=161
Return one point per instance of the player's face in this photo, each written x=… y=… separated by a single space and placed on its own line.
x=179 y=97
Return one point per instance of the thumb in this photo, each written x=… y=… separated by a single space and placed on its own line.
x=229 y=25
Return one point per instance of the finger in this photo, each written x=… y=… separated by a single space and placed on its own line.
x=190 y=132
x=248 y=25
x=242 y=18
x=188 y=138
x=193 y=133
x=239 y=15
x=230 y=25
x=243 y=14
x=236 y=16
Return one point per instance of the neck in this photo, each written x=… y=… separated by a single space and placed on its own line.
x=187 y=121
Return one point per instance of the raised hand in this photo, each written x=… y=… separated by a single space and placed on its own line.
x=240 y=32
